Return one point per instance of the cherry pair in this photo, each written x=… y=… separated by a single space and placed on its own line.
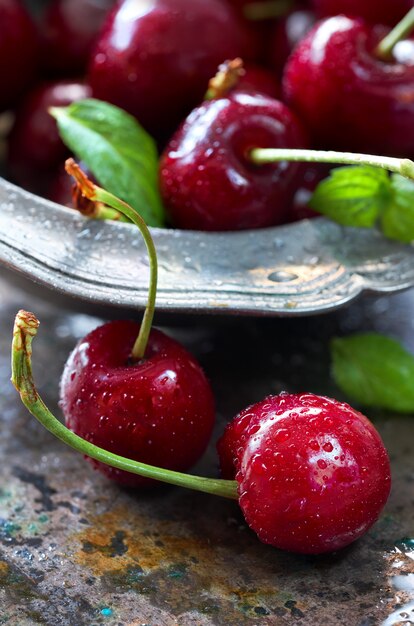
x=311 y=474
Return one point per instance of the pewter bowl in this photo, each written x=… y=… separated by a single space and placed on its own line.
x=307 y=267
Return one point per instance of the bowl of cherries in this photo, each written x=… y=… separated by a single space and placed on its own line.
x=229 y=147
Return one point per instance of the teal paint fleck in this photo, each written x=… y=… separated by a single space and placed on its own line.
x=106 y=612
x=406 y=544
x=9 y=528
x=32 y=528
x=43 y=518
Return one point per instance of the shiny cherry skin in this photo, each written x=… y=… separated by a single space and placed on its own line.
x=154 y=59
x=347 y=97
x=374 y=11
x=35 y=149
x=69 y=29
x=158 y=411
x=18 y=51
x=313 y=474
x=207 y=180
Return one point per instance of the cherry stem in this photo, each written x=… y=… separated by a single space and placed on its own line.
x=267 y=9
x=227 y=77
x=403 y=28
x=92 y=192
x=261 y=156
x=25 y=329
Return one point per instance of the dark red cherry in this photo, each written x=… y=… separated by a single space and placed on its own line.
x=155 y=59
x=313 y=474
x=374 y=11
x=347 y=97
x=18 y=51
x=69 y=30
x=159 y=410
x=286 y=34
x=35 y=149
x=207 y=180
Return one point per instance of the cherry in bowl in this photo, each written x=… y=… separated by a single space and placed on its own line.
x=19 y=51
x=347 y=96
x=155 y=59
x=209 y=182
x=35 y=150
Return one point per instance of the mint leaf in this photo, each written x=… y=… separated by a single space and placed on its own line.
x=117 y=150
x=353 y=195
x=375 y=371
x=397 y=220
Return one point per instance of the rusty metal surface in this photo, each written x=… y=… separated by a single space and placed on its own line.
x=77 y=550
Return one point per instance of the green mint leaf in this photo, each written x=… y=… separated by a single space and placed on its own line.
x=353 y=195
x=397 y=220
x=375 y=371
x=117 y=150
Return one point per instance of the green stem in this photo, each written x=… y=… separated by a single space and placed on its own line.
x=25 y=329
x=267 y=9
x=403 y=28
x=105 y=213
x=138 y=350
x=260 y=156
x=97 y=194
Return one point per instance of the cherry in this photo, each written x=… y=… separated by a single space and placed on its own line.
x=159 y=410
x=313 y=474
x=155 y=59
x=35 y=149
x=207 y=179
x=346 y=95
x=69 y=29
x=374 y=11
x=18 y=51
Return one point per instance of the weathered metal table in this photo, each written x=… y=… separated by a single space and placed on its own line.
x=77 y=550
